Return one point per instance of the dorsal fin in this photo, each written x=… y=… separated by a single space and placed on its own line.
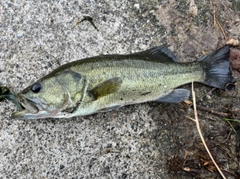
x=161 y=53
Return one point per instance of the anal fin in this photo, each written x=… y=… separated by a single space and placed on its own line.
x=175 y=96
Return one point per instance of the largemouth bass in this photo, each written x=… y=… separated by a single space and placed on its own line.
x=107 y=82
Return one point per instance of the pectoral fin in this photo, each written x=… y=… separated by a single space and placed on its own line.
x=105 y=88
x=175 y=96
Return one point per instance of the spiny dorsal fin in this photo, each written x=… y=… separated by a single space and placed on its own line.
x=105 y=88
x=159 y=53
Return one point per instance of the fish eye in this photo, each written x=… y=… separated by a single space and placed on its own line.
x=36 y=87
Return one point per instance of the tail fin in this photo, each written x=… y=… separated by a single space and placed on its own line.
x=217 y=69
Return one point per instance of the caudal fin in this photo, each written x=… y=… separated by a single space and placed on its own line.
x=217 y=69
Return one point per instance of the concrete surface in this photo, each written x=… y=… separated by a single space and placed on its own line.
x=126 y=143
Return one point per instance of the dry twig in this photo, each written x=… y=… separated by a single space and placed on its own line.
x=215 y=21
x=223 y=31
x=214 y=14
x=213 y=112
x=200 y=133
x=202 y=108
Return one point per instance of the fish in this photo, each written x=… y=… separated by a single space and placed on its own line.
x=107 y=82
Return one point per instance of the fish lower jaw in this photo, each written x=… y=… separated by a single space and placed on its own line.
x=26 y=114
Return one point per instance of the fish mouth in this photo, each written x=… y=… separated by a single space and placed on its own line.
x=31 y=108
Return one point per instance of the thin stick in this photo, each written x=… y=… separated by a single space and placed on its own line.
x=222 y=114
x=214 y=14
x=215 y=21
x=230 y=172
x=213 y=112
x=227 y=137
x=223 y=31
x=200 y=133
